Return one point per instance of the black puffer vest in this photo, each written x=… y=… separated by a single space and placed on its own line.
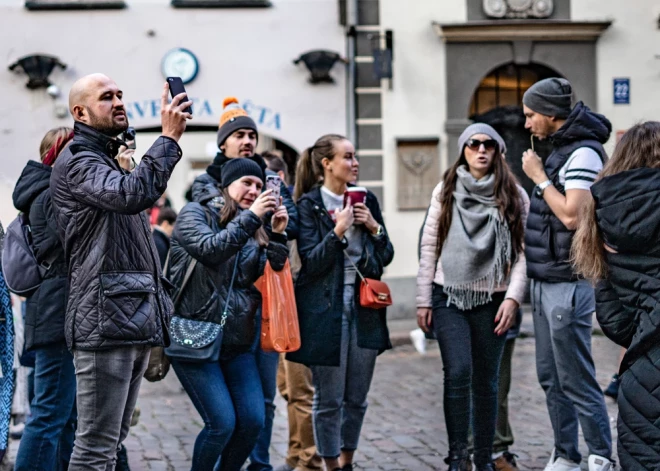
x=547 y=240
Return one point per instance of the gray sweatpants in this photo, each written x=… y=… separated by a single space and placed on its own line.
x=563 y=315
x=108 y=385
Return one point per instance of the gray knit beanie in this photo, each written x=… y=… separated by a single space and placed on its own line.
x=550 y=97
x=480 y=128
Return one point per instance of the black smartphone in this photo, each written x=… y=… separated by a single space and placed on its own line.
x=176 y=87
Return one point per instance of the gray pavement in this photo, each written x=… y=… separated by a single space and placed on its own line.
x=404 y=428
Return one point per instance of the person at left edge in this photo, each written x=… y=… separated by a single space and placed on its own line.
x=117 y=305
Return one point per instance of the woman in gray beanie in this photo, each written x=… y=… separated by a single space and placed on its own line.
x=470 y=284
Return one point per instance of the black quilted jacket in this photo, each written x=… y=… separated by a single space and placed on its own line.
x=117 y=295
x=628 y=306
x=44 y=313
x=216 y=249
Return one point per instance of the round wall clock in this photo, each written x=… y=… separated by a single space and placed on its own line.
x=180 y=62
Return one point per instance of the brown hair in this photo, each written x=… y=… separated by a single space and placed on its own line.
x=507 y=197
x=309 y=170
x=62 y=135
x=639 y=148
x=229 y=212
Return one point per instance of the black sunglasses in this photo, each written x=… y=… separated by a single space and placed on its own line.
x=474 y=144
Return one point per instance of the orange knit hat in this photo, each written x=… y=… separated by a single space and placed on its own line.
x=231 y=109
x=233 y=118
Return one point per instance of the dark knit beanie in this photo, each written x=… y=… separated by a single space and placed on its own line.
x=233 y=118
x=550 y=97
x=239 y=168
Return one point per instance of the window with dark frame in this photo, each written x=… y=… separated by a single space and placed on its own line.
x=118 y=4
x=221 y=3
x=506 y=85
x=74 y=4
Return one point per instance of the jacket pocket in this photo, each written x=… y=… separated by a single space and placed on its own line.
x=128 y=302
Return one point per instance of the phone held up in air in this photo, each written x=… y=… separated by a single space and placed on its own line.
x=176 y=87
x=273 y=182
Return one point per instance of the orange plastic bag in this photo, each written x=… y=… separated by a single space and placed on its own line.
x=280 y=331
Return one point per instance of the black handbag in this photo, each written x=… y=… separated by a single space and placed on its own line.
x=197 y=341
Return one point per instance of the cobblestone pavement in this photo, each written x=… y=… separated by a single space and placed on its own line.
x=404 y=428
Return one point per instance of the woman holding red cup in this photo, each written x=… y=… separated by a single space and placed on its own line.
x=341 y=228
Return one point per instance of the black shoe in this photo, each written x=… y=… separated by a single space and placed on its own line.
x=485 y=467
x=613 y=388
x=458 y=461
x=348 y=467
x=122 y=460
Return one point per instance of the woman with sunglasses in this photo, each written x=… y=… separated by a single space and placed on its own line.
x=471 y=281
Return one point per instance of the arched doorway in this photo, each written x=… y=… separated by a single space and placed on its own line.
x=199 y=148
x=498 y=102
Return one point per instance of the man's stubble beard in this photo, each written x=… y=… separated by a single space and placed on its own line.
x=106 y=125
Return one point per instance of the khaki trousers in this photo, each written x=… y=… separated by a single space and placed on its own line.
x=294 y=381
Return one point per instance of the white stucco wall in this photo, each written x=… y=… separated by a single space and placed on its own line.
x=416 y=107
x=628 y=49
x=246 y=53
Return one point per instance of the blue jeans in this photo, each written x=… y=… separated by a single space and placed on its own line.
x=48 y=437
x=340 y=396
x=267 y=364
x=471 y=354
x=229 y=398
x=563 y=314
x=47 y=441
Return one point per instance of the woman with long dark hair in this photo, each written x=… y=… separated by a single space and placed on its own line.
x=224 y=231
x=471 y=282
x=618 y=244
x=340 y=338
x=47 y=441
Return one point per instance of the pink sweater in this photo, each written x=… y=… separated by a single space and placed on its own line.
x=430 y=268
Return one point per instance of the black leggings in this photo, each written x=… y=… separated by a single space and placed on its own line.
x=471 y=354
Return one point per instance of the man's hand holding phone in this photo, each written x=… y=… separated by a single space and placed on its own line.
x=172 y=115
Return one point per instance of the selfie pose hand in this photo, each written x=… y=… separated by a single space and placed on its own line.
x=363 y=216
x=344 y=221
x=264 y=203
x=172 y=117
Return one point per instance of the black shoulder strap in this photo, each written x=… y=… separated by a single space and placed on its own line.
x=189 y=270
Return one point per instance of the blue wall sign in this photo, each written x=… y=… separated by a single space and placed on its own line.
x=621 y=91
x=150 y=109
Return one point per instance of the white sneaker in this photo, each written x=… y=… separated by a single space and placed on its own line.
x=562 y=464
x=551 y=461
x=418 y=340
x=598 y=463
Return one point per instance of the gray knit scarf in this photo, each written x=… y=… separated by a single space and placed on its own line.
x=477 y=253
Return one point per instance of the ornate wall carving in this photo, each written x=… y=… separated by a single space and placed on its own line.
x=418 y=172
x=518 y=8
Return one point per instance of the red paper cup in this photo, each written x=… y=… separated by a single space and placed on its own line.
x=355 y=194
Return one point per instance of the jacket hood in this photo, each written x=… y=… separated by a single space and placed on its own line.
x=205 y=188
x=628 y=210
x=32 y=182
x=583 y=124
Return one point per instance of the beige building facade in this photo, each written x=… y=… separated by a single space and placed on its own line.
x=453 y=61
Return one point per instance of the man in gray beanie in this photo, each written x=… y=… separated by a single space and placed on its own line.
x=562 y=304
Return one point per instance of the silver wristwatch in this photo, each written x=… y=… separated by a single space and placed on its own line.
x=542 y=186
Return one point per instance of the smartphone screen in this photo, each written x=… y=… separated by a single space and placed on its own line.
x=273 y=182
x=176 y=87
